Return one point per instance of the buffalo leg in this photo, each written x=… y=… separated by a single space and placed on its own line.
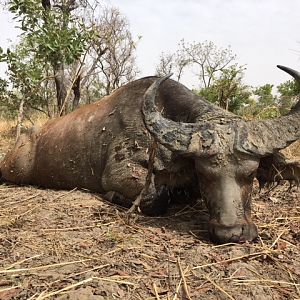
x=125 y=184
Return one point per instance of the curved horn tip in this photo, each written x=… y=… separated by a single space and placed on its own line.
x=157 y=83
x=290 y=71
x=283 y=68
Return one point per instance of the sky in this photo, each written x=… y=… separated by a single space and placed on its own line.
x=262 y=33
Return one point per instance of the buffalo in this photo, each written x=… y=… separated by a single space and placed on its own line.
x=104 y=147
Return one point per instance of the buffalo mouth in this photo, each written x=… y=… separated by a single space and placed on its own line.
x=237 y=233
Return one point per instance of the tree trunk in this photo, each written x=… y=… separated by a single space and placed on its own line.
x=20 y=119
x=76 y=91
x=61 y=88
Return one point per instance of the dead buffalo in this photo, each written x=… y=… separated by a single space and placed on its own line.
x=104 y=146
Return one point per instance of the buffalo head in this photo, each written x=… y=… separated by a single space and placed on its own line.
x=226 y=151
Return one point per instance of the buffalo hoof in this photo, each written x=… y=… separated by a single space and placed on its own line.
x=239 y=233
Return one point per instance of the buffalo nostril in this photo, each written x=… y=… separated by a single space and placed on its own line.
x=239 y=233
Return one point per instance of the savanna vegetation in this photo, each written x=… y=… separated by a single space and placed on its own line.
x=220 y=80
x=74 y=52
x=69 y=53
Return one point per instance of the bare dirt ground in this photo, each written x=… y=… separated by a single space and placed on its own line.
x=73 y=245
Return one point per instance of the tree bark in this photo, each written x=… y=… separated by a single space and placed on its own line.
x=61 y=87
x=20 y=119
x=76 y=91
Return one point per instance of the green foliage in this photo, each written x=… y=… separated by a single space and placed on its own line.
x=25 y=76
x=58 y=38
x=289 y=88
x=227 y=90
x=264 y=93
x=266 y=106
x=52 y=38
x=52 y=34
x=7 y=105
x=230 y=93
x=288 y=95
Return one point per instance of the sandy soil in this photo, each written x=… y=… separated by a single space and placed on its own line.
x=73 y=245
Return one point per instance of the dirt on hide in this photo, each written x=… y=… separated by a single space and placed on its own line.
x=73 y=245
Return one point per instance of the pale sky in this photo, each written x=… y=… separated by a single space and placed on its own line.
x=263 y=33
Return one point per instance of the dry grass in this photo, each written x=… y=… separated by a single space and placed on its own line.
x=7 y=126
x=74 y=245
x=8 y=131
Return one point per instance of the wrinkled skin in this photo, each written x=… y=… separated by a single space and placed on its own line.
x=227 y=188
x=104 y=147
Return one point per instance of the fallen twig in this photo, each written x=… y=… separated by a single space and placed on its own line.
x=277 y=239
x=23 y=200
x=80 y=273
x=155 y=291
x=78 y=227
x=241 y=281
x=9 y=288
x=69 y=287
x=177 y=289
x=63 y=195
x=182 y=274
x=218 y=287
x=136 y=203
x=21 y=261
x=234 y=259
x=5 y=271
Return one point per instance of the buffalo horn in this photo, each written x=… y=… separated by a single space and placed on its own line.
x=263 y=137
x=174 y=135
x=184 y=138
